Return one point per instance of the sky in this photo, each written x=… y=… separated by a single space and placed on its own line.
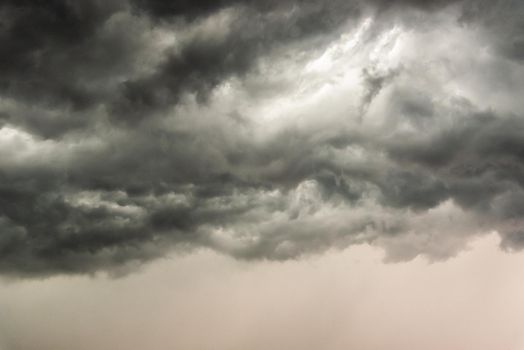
x=290 y=174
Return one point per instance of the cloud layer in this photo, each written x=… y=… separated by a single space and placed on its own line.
x=260 y=129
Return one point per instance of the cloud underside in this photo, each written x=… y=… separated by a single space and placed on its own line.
x=260 y=129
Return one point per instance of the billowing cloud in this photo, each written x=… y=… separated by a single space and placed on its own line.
x=260 y=129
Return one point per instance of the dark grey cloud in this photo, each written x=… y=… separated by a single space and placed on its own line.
x=255 y=30
x=128 y=129
x=503 y=20
x=41 y=39
x=61 y=59
x=478 y=163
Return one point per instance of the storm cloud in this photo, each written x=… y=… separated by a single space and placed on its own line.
x=259 y=129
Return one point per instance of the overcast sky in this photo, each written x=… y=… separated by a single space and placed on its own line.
x=222 y=155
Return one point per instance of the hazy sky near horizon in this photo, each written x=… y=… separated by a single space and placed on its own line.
x=339 y=300
x=250 y=147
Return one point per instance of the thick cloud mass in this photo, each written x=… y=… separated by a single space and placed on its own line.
x=261 y=129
